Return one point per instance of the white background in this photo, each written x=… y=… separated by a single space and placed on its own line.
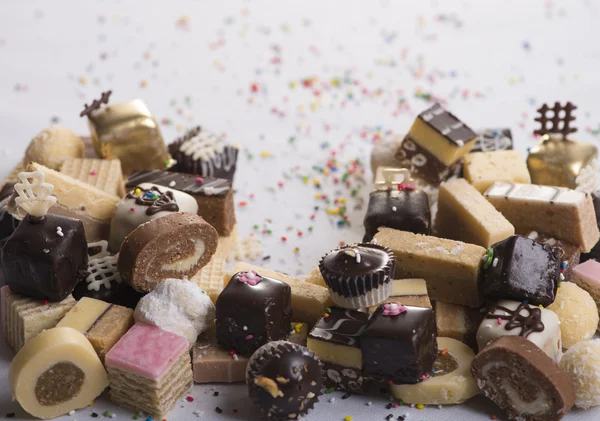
x=493 y=62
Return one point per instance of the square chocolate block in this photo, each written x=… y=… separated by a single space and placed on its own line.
x=400 y=343
x=406 y=210
x=45 y=257
x=336 y=337
x=251 y=311
x=570 y=253
x=520 y=269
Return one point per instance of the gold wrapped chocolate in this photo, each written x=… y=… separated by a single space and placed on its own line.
x=127 y=131
x=557 y=160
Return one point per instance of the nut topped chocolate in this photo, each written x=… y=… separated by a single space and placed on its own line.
x=358 y=275
x=284 y=380
x=252 y=310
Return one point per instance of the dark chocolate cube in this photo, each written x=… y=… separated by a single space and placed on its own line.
x=251 y=311
x=39 y=262
x=402 y=347
x=406 y=210
x=568 y=254
x=524 y=270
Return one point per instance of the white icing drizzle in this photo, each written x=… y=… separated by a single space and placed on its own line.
x=225 y=159
x=103 y=270
x=586 y=181
x=328 y=333
x=490 y=141
x=103 y=244
x=34 y=197
x=536 y=193
x=205 y=145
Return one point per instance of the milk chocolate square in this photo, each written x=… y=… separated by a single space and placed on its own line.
x=251 y=311
x=406 y=210
x=400 y=346
x=520 y=269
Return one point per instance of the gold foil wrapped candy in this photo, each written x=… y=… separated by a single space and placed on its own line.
x=127 y=131
x=557 y=160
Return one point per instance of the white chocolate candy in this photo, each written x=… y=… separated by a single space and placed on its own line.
x=582 y=364
x=130 y=213
x=549 y=339
x=177 y=306
x=56 y=372
x=51 y=146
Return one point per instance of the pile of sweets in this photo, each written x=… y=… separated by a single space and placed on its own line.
x=477 y=273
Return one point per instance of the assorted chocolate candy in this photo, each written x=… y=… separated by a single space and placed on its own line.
x=111 y=283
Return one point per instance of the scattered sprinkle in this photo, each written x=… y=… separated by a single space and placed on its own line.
x=215 y=393
x=218 y=410
x=420 y=406
x=346 y=396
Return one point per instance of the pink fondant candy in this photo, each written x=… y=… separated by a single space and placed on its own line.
x=393 y=309
x=146 y=350
x=250 y=277
x=588 y=272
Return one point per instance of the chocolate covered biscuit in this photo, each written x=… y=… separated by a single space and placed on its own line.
x=518 y=377
x=174 y=246
x=214 y=195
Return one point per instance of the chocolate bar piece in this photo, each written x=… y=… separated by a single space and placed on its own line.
x=458 y=322
x=442 y=134
x=545 y=209
x=422 y=163
x=214 y=195
x=406 y=210
x=399 y=343
x=519 y=378
x=336 y=337
x=464 y=215
x=490 y=140
x=569 y=254
x=541 y=326
x=22 y=318
x=102 y=323
x=143 y=203
x=203 y=153
x=45 y=257
x=410 y=292
x=482 y=169
x=212 y=364
x=252 y=310
x=518 y=268
x=174 y=246
x=450 y=268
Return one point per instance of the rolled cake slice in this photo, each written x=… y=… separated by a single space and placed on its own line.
x=56 y=372
x=76 y=199
x=104 y=174
x=149 y=370
x=518 y=377
x=102 y=323
x=174 y=246
x=214 y=195
x=22 y=318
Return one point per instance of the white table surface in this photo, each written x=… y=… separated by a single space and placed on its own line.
x=195 y=62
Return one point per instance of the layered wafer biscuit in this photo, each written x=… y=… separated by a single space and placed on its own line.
x=22 y=318
x=246 y=248
x=102 y=323
x=104 y=174
x=13 y=176
x=210 y=277
x=149 y=370
x=227 y=243
x=76 y=199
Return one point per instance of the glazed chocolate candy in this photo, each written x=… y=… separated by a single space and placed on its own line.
x=569 y=253
x=45 y=257
x=518 y=377
x=251 y=311
x=518 y=268
x=404 y=210
x=284 y=380
x=399 y=343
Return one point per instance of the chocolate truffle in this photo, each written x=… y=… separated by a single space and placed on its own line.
x=203 y=153
x=518 y=268
x=518 y=377
x=251 y=311
x=174 y=246
x=406 y=210
x=213 y=195
x=45 y=257
x=358 y=275
x=284 y=380
x=399 y=343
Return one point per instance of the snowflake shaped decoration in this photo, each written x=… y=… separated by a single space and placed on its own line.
x=102 y=267
x=34 y=196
